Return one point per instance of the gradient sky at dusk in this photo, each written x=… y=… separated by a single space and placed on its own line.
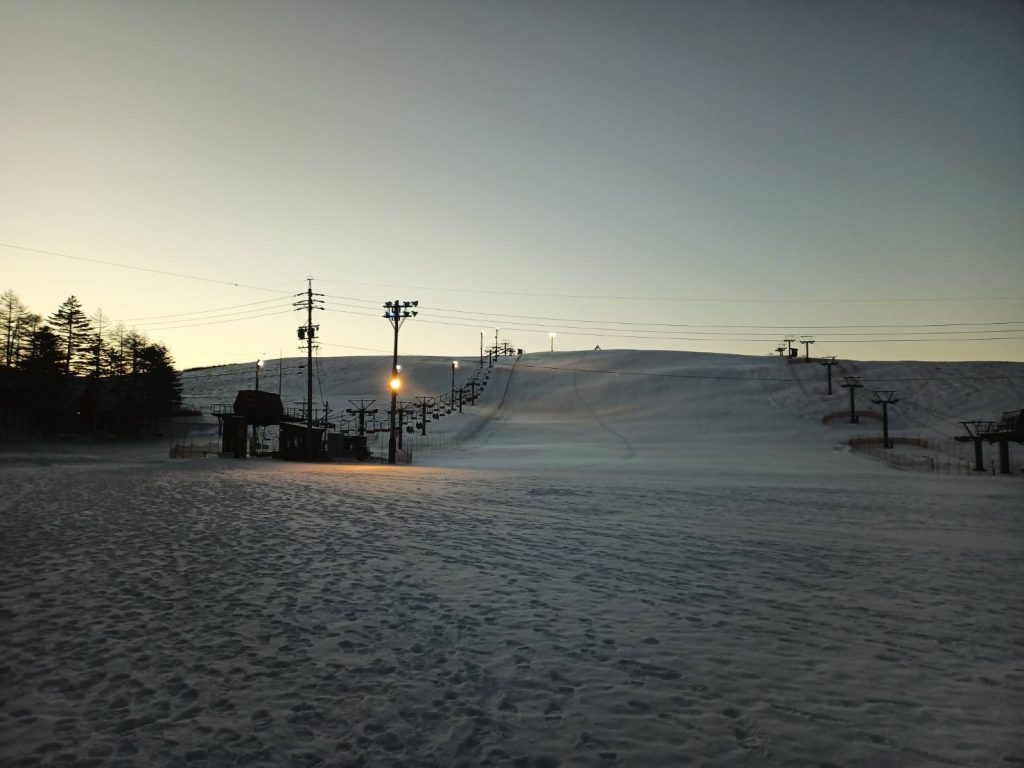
x=653 y=175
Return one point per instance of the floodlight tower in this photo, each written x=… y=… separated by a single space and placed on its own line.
x=455 y=364
x=884 y=398
x=396 y=312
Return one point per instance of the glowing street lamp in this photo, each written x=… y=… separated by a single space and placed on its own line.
x=396 y=312
x=552 y=335
x=259 y=364
x=455 y=364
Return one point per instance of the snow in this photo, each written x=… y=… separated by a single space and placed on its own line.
x=628 y=559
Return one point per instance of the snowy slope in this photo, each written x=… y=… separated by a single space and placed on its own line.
x=626 y=559
x=717 y=413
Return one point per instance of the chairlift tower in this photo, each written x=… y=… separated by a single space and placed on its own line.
x=884 y=398
x=807 y=341
x=424 y=403
x=853 y=384
x=828 y=362
x=788 y=340
x=362 y=410
x=976 y=432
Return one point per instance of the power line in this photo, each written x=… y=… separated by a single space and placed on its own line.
x=142 y=269
x=702 y=299
x=198 y=311
x=714 y=325
x=735 y=378
x=217 y=322
x=349 y=346
x=656 y=334
x=614 y=332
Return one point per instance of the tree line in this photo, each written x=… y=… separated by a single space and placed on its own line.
x=70 y=346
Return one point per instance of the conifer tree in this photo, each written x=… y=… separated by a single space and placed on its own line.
x=73 y=329
x=12 y=316
x=45 y=354
x=98 y=343
x=160 y=382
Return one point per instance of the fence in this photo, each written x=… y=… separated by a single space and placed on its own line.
x=945 y=460
x=193 y=450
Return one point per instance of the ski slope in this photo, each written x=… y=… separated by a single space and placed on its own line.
x=626 y=559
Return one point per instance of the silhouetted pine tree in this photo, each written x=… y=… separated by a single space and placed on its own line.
x=73 y=328
x=12 y=318
x=98 y=344
x=160 y=383
x=45 y=356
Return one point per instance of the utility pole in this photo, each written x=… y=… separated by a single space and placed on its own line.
x=828 y=362
x=853 y=384
x=481 y=349
x=807 y=341
x=396 y=312
x=884 y=398
x=426 y=402
x=307 y=333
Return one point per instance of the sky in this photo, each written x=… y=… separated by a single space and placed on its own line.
x=708 y=176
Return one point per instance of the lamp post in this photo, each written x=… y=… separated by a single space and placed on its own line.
x=481 y=349
x=552 y=335
x=259 y=364
x=396 y=312
x=455 y=364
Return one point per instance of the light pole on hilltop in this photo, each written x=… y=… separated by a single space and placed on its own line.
x=552 y=335
x=481 y=349
x=259 y=364
x=455 y=364
x=396 y=312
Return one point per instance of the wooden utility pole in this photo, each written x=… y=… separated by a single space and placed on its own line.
x=396 y=312
x=307 y=333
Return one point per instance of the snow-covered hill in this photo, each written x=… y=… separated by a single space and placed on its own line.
x=703 y=411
